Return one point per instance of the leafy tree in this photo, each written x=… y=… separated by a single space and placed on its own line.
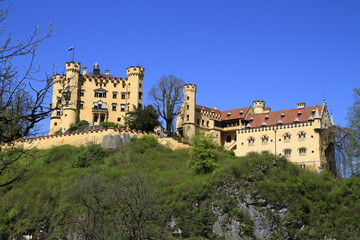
x=167 y=95
x=142 y=118
x=81 y=125
x=204 y=154
x=21 y=104
x=353 y=133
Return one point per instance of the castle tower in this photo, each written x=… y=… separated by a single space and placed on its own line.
x=135 y=77
x=70 y=95
x=259 y=106
x=189 y=110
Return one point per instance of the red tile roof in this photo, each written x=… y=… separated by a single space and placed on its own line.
x=289 y=116
x=234 y=113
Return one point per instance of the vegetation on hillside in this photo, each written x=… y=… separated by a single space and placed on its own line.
x=135 y=191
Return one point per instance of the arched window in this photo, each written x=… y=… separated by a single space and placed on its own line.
x=265 y=152
x=228 y=138
x=302 y=151
x=264 y=140
x=251 y=141
x=302 y=136
x=287 y=137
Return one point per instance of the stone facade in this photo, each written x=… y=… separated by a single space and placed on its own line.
x=94 y=97
x=294 y=133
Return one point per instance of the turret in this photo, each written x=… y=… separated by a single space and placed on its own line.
x=259 y=106
x=189 y=110
x=70 y=94
x=135 y=76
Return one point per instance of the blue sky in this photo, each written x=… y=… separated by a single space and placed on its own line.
x=236 y=51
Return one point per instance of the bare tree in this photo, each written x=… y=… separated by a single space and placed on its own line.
x=22 y=105
x=167 y=96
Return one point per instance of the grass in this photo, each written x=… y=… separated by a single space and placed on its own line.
x=318 y=203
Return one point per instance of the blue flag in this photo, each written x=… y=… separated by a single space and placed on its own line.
x=71 y=48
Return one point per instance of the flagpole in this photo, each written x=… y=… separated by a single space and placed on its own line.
x=73 y=53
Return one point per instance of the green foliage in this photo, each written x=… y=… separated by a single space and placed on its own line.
x=55 y=195
x=142 y=118
x=81 y=125
x=353 y=134
x=109 y=124
x=204 y=154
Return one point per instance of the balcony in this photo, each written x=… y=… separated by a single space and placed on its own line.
x=99 y=110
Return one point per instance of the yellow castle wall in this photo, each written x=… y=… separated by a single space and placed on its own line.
x=84 y=138
x=276 y=144
x=122 y=95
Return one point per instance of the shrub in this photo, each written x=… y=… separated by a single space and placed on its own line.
x=203 y=154
x=109 y=124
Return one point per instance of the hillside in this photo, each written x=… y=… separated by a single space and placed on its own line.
x=145 y=191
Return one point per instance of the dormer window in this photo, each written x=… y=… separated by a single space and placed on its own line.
x=299 y=113
x=282 y=115
x=241 y=112
x=251 y=119
x=313 y=111
x=266 y=117
x=228 y=113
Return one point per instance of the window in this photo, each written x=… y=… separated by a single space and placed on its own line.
x=140 y=85
x=100 y=93
x=198 y=121
x=99 y=104
x=58 y=112
x=302 y=151
x=67 y=103
x=114 y=106
x=123 y=85
x=265 y=140
x=81 y=105
x=302 y=136
x=187 y=98
x=55 y=124
x=251 y=141
x=140 y=95
x=287 y=153
x=114 y=95
x=287 y=137
x=228 y=138
x=207 y=123
x=188 y=118
x=82 y=93
x=118 y=119
x=265 y=152
x=123 y=95
x=128 y=95
x=187 y=107
x=202 y=122
x=115 y=84
x=122 y=107
x=302 y=166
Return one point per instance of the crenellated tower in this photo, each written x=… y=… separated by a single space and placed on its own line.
x=188 y=110
x=70 y=94
x=259 y=106
x=135 y=77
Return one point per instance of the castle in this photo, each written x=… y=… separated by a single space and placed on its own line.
x=94 y=97
x=294 y=133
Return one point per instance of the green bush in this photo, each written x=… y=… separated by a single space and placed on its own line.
x=109 y=124
x=204 y=154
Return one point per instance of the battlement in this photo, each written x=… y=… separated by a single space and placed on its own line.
x=189 y=87
x=135 y=71
x=73 y=67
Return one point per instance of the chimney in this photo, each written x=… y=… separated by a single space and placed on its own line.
x=107 y=72
x=84 y=71
x=300 y=105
